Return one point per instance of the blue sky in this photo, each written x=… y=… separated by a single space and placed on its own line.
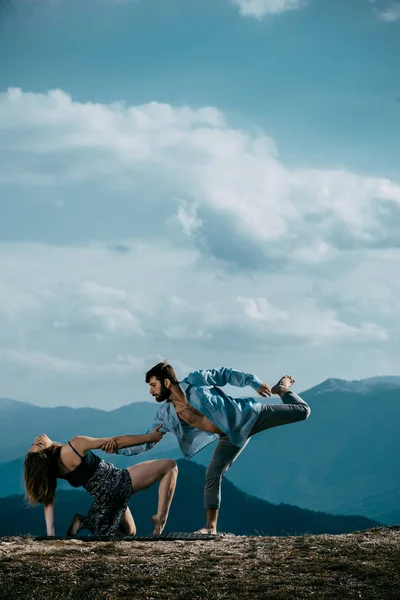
x=217 y=183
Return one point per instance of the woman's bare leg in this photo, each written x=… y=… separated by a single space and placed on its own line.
x=76 y=525
x=146 y=474
x=127 y=525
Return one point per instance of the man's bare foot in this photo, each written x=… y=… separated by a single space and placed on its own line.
x=75 y=526
x=283 y=385
x=159 y=524
x=207 y=531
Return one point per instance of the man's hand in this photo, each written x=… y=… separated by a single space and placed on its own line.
x=110 y=446
x=264 y=390
x=156 y=435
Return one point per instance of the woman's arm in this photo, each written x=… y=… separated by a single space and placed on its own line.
x=123 y=441
x=49 y=518
x=81 y=443
x=129 y=441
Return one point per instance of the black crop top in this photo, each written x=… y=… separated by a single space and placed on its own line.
x=83 y=472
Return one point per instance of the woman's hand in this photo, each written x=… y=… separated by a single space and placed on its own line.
x=156 y=435
x=111 y=446
x=124 y=441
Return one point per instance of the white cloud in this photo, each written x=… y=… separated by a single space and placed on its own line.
x=186 y=310
x=391 y=14
x=261 y=8
x=260 y=309
x=115 y=320
x=257 y=257
x=44 y=361
x=63 y=366
x=242 y=204
x=137 y=363
x=386 y=11
x=187 y=218
x=310 y=324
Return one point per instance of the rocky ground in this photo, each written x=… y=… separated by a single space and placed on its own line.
x=360 y=565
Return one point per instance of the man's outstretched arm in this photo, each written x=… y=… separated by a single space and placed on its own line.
x=224 y=376
x=127 y=444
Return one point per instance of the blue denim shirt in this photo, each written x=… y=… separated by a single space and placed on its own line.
x=234 y=416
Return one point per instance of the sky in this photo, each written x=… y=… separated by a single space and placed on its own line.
x=215 y=183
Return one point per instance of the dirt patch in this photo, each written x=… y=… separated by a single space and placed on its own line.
x=360 y=565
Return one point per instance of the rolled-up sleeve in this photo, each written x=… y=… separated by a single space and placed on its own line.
x=132 y=450
x=221 y=377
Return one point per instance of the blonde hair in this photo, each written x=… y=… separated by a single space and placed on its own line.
x=40 y=474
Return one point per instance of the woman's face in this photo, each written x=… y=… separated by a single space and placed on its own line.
x=40 y=443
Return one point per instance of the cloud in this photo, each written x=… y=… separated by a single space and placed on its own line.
x=187 y=219
x=221 y=189
x=314 y=325
x=389 y=12
x=182 y=237
x=203 y=311
x=63 y=366
x=121 y=248
x=261 y=8
x=110 y=324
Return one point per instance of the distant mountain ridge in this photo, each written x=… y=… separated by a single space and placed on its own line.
x=241 y=514
x=21 y=422
x=330 y=384
x=9 y=403
x=358 y=386
x=343 y=459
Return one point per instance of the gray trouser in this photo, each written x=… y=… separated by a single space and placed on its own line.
x=292 y=410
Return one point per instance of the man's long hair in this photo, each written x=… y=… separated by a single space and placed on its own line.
x=40 y=474
x=162 y=371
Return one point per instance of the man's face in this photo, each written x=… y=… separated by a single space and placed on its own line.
x=158 y=390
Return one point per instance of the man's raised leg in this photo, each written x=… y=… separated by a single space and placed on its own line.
x=292 y=410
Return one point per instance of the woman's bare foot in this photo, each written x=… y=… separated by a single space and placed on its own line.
x=283 y=385
x=159 y=524
x=207 y=531
x=75 y=526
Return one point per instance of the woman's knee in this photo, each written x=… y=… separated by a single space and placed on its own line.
x=127 y=529
x=170 y=465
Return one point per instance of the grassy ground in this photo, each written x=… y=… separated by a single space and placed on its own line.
x=360 y=565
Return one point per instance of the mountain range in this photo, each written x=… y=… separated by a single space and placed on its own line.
x=343 y=459
x=240 y=513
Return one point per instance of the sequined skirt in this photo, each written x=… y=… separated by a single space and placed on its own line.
x=111 y=490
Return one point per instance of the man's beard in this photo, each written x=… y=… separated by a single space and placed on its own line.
x=165 y=394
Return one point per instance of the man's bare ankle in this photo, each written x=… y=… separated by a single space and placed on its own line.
x=207 y=530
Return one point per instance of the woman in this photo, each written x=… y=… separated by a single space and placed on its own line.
x=110 y=487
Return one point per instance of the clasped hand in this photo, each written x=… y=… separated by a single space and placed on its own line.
x=111 y=446
x=264 y=390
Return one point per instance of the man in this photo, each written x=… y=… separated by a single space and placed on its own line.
x=198 y=412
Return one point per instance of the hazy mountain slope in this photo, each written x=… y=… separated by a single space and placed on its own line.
x=339 y=460
x=21 y=422
x=343 y=459
x=241 y=514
